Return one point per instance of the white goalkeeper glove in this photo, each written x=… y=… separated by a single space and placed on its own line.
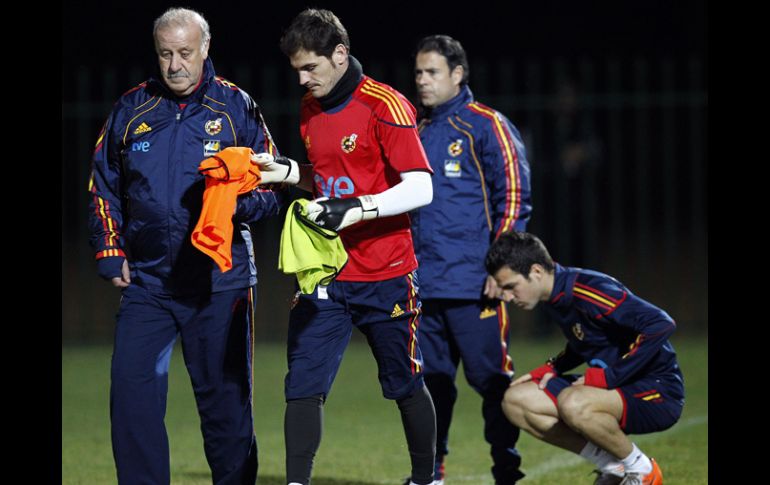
x=337 y=214
x=276 y=170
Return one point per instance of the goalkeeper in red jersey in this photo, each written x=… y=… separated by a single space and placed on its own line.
x=366 y=163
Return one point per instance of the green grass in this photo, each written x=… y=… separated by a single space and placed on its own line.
x=363 y=441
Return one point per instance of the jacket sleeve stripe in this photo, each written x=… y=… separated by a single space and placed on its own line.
x=508 y=150
x=579 y=294
x=110 y=252
x=597 y=298
x=594 y=296
x=597 y=292
x=108 y=223
x=99 y=141
x=269 y=147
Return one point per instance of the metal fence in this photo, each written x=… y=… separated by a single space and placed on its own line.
x=617 y=149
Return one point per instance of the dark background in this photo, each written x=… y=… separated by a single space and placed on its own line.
x=623 y=83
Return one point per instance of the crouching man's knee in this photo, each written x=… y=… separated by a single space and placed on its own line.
x=573 y=406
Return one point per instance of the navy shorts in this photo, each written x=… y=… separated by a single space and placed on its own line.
x=320 y=325
x=650 y=404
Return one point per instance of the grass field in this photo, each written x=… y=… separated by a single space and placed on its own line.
x=363 y=441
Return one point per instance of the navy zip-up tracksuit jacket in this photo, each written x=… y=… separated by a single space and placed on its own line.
x=481 y=188
x=146 y=191
x=619 y=335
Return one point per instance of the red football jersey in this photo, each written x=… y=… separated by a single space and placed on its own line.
x=360 y=148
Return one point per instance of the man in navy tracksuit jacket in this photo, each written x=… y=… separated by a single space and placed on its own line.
x=480 y=189
x=633 y=383
x=146 y=197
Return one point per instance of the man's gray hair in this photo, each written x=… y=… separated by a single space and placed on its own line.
x=178 y=17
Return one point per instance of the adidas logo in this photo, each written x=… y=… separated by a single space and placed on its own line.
x=143 y=128
x=488 y=312
x=397 y=311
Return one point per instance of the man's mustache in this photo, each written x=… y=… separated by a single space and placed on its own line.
x=174 y=75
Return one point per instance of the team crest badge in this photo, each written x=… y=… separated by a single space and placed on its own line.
x=349 y=143
x=455 y=148
x=213 y=127
x=295 y=299
x=577 y=329
x=307 y=142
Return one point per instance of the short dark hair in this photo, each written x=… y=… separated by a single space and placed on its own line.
x=314 y=30
x=519 y=251
x=450 y=48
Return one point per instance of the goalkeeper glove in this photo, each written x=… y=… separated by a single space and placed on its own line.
x=337 y=214
x=276 y=170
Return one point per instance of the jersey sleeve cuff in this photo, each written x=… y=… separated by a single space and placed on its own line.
x=106 y=253
x=595 y=377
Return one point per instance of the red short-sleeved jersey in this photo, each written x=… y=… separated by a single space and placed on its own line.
x=360 y=148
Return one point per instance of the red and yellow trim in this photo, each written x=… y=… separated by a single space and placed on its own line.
x=100 y=140
x=596 y=297
x=269 y=146
x=102 y=210
x=224 y=82
x=397 y=109
x=414 y=322
x=624 y=416
x=634 y=347
x=650 y=395
x=110 y=252
x=510 y=156
x=504 y=324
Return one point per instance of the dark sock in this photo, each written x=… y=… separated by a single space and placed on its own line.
x=443 y=392
x=302 y=428
x=419 y=419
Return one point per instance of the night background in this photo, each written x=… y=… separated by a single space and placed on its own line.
x=610 y=97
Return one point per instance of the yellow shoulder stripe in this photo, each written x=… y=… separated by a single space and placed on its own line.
x=397 y=110
x=508 y=154
x=396 y=101
x=594 y=296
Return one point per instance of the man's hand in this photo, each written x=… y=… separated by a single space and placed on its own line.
x=125 y=279
x=521 y=380
x=539 y=376
x=491 y=290
x=276 y=170
x=337 y=214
